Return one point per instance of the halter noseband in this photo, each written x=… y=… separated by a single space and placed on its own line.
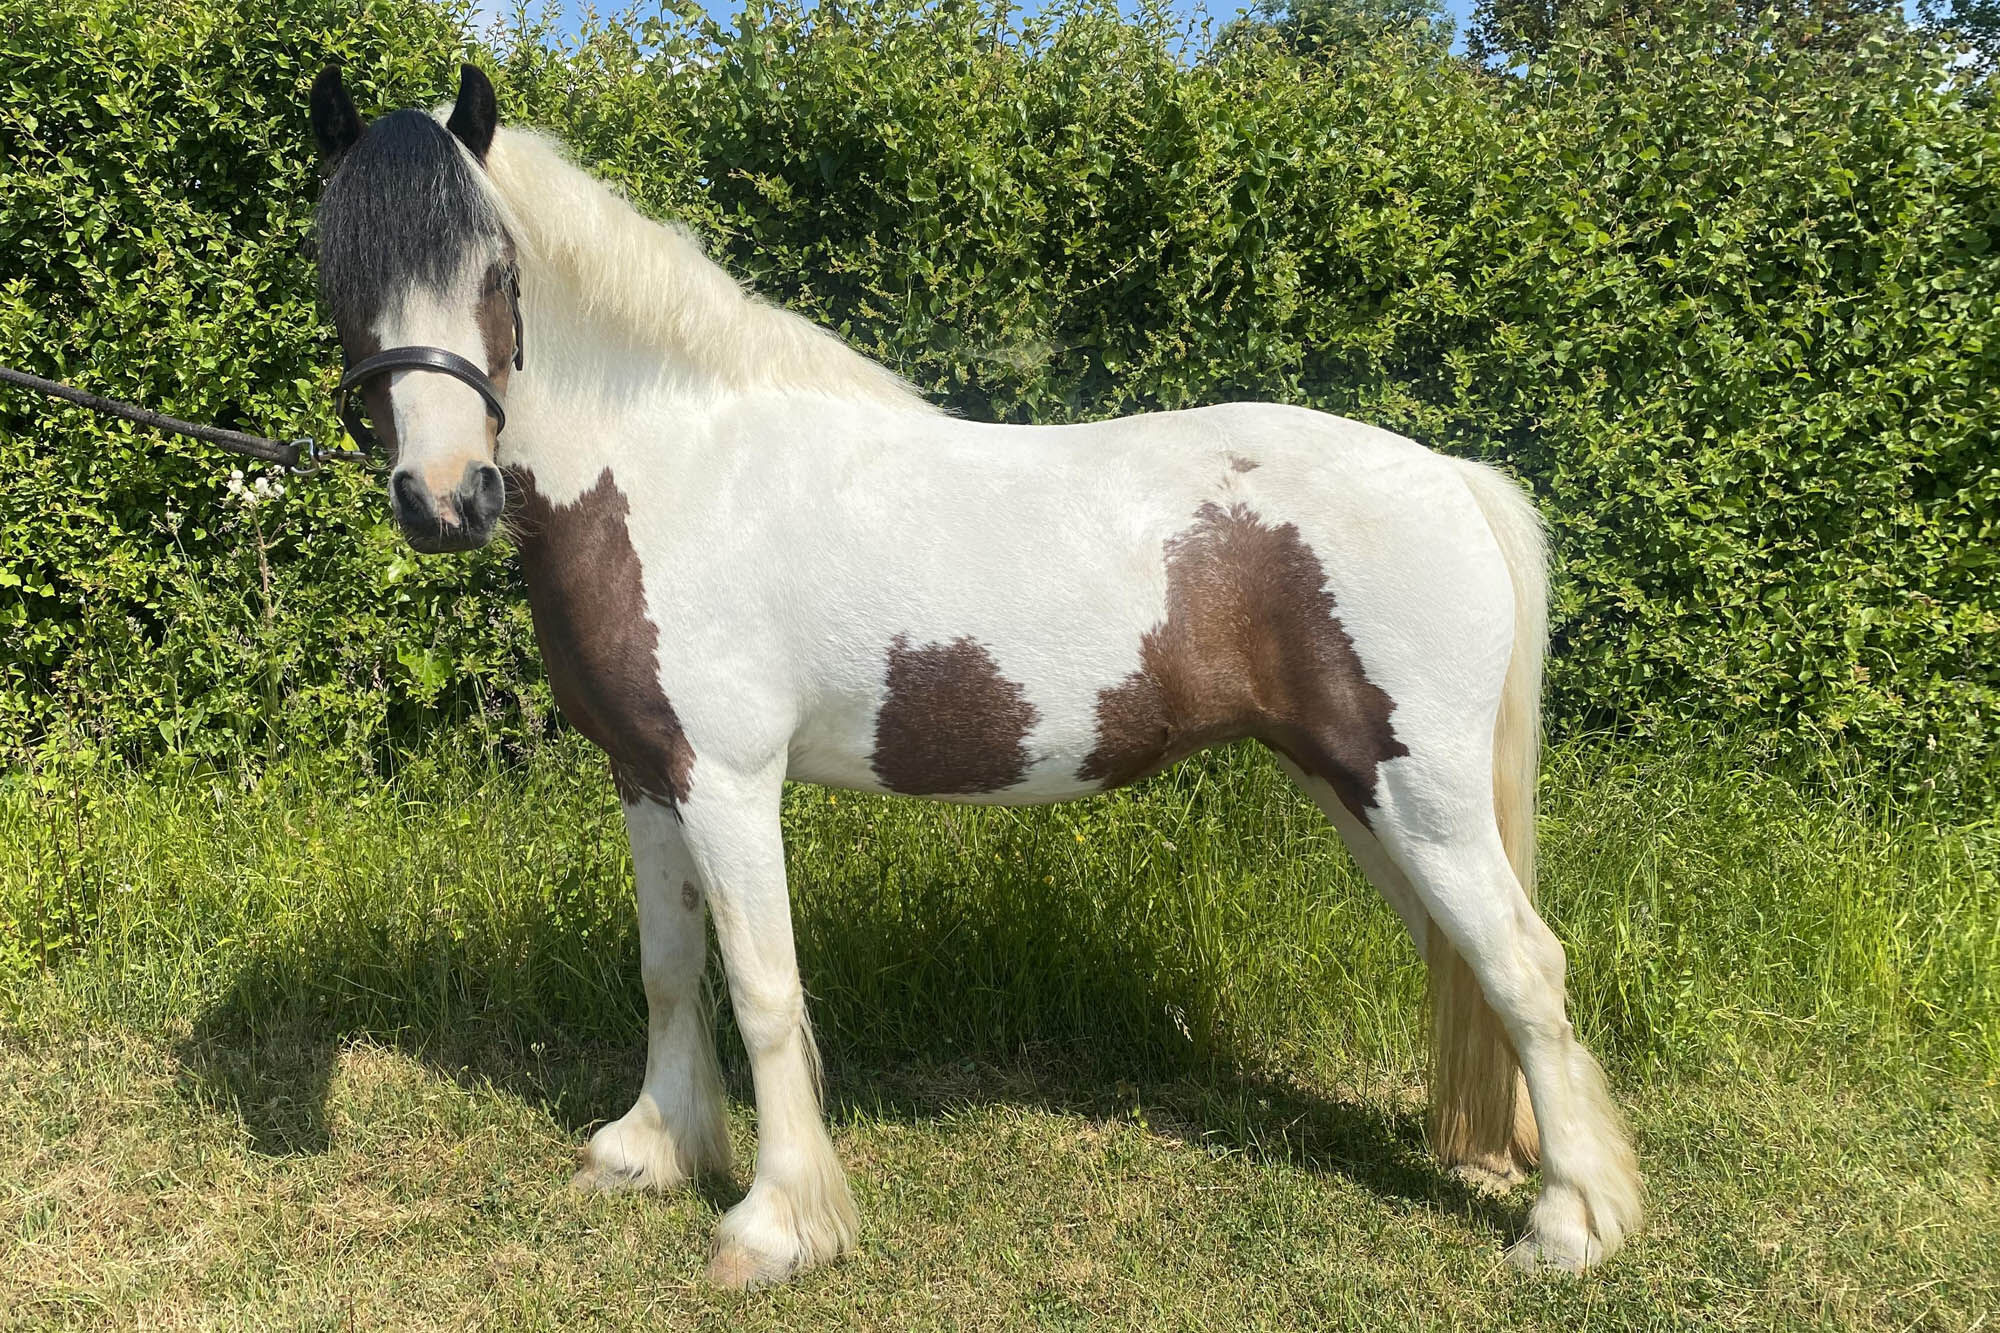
x=435 y=359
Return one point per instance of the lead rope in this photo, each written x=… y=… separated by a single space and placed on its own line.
x=301 y=457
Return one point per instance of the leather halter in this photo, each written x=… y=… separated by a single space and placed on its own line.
x=435 y=359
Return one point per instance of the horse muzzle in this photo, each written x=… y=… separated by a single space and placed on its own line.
x=461 y=519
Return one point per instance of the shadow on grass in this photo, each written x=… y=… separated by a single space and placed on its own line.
x=554 y=1017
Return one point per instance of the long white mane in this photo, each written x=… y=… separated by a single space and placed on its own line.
x=655 y=279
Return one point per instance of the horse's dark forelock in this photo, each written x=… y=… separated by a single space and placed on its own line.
x=401 y=209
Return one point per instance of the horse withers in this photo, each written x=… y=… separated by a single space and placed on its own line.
x=753 y=554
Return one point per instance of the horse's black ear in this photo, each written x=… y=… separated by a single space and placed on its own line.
x=336 y=124
x=474 y=116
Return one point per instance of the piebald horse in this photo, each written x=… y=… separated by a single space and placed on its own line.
x=755 y=555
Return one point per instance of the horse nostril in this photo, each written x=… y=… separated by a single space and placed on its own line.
x=411 y=501
x=483 y=495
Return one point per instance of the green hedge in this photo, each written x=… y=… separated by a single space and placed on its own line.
x=1728 y=302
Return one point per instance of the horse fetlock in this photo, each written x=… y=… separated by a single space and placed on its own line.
x=1560 y=1237
x=1570 y=1231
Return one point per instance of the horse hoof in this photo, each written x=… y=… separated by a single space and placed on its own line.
x=623 y=1157
x=1484 y=1178
x=591 y=1178
x=1536 y=1253
x=778 y=1231
x=737 y=1268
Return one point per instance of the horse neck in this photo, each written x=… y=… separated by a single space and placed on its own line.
x=624 y=313
x=602 y=388
x=593 y=390
x=629 y=324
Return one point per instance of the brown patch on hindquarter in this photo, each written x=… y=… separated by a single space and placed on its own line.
x=600 y=648
x=951 y=724
x=1250 y=647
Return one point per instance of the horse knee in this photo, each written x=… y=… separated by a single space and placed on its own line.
x=767 y=1015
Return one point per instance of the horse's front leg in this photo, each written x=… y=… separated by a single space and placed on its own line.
x=677 y=1128
x=798 y=1212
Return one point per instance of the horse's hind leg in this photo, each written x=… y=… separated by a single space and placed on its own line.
x=1482 y=1122
x=1590 y=1191
x=676 y=1129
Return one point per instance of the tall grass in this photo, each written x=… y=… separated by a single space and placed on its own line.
x=1207 y=920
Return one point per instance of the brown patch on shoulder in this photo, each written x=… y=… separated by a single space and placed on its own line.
x=1238 y=463
x=599 y=647
x=1250 y=647
x=952 y=724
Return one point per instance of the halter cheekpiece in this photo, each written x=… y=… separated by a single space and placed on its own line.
x=435 y=359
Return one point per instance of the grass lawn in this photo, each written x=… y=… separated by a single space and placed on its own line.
x=318 y=1049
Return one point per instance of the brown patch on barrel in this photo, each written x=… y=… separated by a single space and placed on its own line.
x=600 y=648
x=1238 y=463
x=951 y=725
x=1250 y=647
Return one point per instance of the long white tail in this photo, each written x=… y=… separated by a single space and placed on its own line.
x=1480 y=1116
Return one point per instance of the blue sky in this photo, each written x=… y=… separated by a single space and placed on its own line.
x=1460 y=11
x=1222 y=10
